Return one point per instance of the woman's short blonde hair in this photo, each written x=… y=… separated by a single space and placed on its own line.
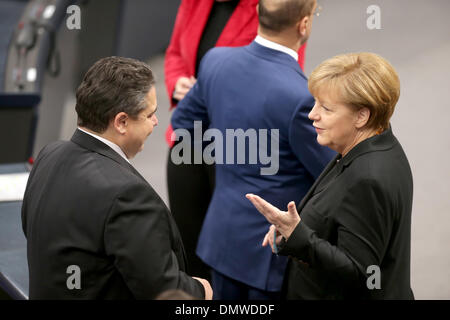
x=359 y=80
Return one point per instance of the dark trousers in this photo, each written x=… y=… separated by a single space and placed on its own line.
x=190 y=189
x=225 y=288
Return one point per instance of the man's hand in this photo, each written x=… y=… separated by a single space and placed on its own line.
x=207 y=287
x=183 y=86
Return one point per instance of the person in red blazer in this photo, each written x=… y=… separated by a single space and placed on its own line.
x=191 y=186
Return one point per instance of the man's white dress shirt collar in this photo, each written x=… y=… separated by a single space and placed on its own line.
x=276 y=46
x=110 y=144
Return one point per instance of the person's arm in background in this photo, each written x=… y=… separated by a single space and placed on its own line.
x=193 y=106
x=303 y=140
x=175 y=67
x=187 y=115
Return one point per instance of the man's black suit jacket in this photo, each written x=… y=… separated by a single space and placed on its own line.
x=355 y=218
x=86 y=206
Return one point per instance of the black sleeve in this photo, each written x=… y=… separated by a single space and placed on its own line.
x=363 y=231
x=138 y=237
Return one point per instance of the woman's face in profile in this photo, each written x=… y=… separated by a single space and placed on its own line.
x=334 y=122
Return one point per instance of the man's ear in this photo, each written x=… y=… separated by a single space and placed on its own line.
x=120 y=122
x=302 y=26
x=257 y=10
x=363 y=116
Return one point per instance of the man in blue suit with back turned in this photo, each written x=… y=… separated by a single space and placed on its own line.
x=255 y=102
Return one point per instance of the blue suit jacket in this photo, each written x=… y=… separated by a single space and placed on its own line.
x=252 y=87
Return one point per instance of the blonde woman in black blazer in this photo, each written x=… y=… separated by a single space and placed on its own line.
x=350 y=237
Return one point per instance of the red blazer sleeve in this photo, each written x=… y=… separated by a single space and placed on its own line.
x=301 y=55
x=174 y=64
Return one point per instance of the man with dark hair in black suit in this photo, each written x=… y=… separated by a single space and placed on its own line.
x=95 y=227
